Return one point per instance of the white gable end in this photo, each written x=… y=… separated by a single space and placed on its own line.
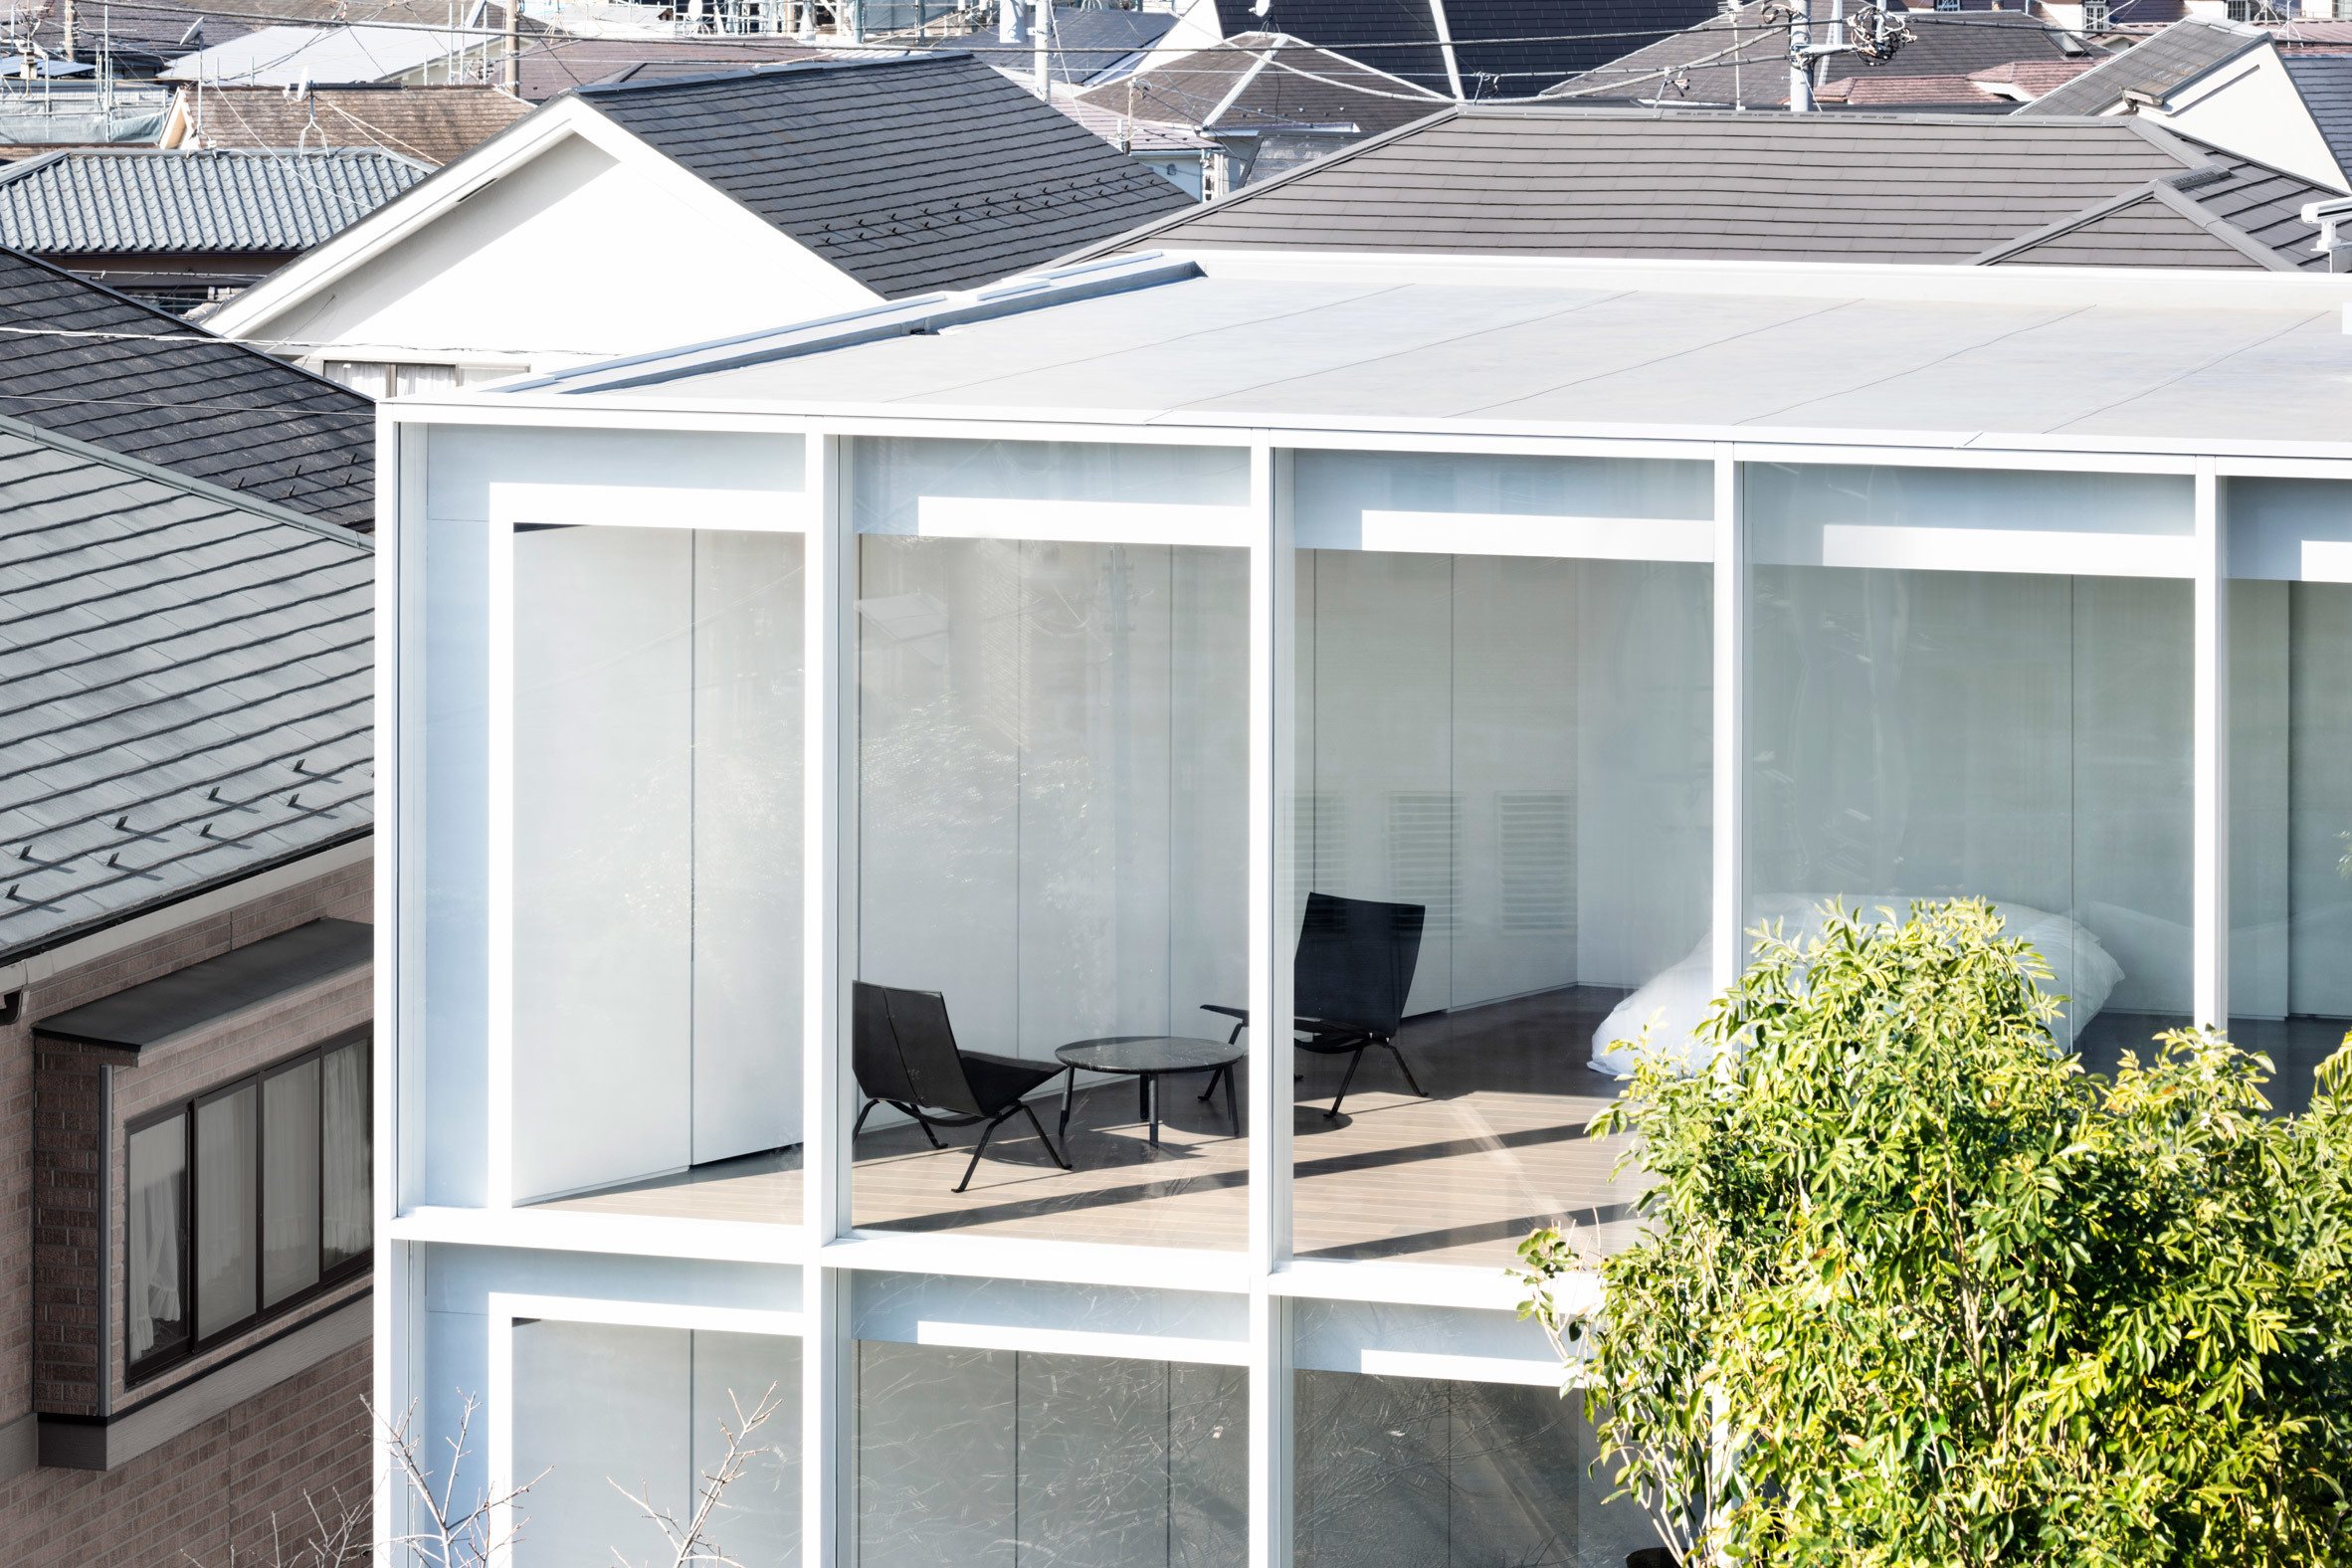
x=591 y=247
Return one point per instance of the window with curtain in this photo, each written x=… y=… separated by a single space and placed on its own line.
x=247 y=1200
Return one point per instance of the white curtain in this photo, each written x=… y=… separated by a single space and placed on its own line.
x=345 y=1220
x=226 y=1286
x=157 y=1166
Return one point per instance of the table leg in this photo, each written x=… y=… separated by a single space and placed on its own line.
x=1233 y=1109
x=1143 y=1097
x=1068 y=1087
x=1151 y=1095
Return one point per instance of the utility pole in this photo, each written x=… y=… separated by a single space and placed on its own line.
x=515 y=47
x=1801 y=57
x=66 y=27
x=1042 y=31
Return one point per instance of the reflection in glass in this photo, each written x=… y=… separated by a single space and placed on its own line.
x=1052 y=837
x=289 y=1182
x=2023 y=740
x=226 y=1155
x=657 y=702
x=1398 y=1472
x=2290 y=800
x=1506 y=760
x=347 y=1225
x=616 y=1416
x=993 y=1458
x=155 y=1235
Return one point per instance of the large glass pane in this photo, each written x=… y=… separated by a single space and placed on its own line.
x=613 y=1420
x=2290 y=796
x=2014 y=737
x=1399 y=1472
x=993 y=1458
x=1501 y=831
x=226 y=1159
x=347 y=1221
x=155 y=1236
x=1051 y=848
x=657 y=857
x=289 y=1182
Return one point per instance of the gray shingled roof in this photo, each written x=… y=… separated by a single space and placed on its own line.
x=1541 y=180
x=145 y=200
x=1263 y=83
x=1740 y=60
x=2230 y=212
x=910 y=174
x=185 y=679
x=87 y=362
x=2325 y=82
x=433 y=125
x=2180 y=53
x=1497 y=49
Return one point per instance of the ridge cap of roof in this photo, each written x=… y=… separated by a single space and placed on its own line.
x=764 y=68
x=155 y=473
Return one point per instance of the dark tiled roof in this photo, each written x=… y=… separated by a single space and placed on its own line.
x=2182 y=52
x=141 y=200
x=1541 y=181
x=1262 y=82
x=1399 y=36
x=555 y=62
x=2142 y=233
x=433 y=125
x=154 y=387
x=909 y=175
x=1538 y=180
x=1742 y=60
x=185 y=677
x=2325 y=82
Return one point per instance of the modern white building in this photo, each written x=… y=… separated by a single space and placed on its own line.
x=1139 y=636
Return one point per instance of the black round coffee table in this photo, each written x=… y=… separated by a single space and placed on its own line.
x=1146 y=1058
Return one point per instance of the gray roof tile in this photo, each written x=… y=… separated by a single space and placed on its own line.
x=129 y=201
x=910 y=174
x=87 y=362
x=185 y=676
x=2180 y=53
x=2326 y=83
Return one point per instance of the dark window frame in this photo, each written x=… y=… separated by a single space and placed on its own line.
x=192 y=1343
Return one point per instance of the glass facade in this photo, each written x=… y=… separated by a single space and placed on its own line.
x=1479 y=764
x=1000 y=1459
x=1051 y=841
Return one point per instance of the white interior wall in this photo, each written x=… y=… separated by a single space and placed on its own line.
x=657 y=935
x=2260 y=854
x=1051 y=809
x=2015 y=737
x=572 y=256
x=446 y=742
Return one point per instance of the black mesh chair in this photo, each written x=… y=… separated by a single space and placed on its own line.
x=1350 y=982
x=904 y=1055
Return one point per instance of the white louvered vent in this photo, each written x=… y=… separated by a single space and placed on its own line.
x=1539 y=846
x=1423 y=829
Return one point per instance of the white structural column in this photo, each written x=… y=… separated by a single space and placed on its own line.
x=827 y=955
x=400 y=452
x=2209 y=748
x=1728 y=909
x=1272 y=633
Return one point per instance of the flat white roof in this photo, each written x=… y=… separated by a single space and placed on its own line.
x=2171 y=360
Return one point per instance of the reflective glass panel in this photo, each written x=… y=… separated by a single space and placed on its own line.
x=227 y=1154
x=996 y=1459
x=289 y=1182
x=347 y=1222
x=157 y=1237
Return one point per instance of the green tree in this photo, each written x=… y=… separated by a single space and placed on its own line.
x=1915 y=1288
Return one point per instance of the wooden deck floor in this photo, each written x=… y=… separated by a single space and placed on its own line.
x=1496 y=1150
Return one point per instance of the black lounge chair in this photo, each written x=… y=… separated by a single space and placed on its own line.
x=905 y=1057
x=1350 y=982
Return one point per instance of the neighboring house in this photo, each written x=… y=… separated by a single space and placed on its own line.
x=555 y=62
x=1085 y=44
x=1473 y=647
x=96 y=366
x=185 y=228
x=185 y=1004
x=432 y=125
x=139 y=40
x=37 y=117
x=1739 y=59
x=1272 y=102
x=1460 y=48
x=1195 y=163
x=293 y=57
x=2229 y=85
x=620 y=218
x=1544 y=181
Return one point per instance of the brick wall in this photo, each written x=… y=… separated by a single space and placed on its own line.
x=209 y=1496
